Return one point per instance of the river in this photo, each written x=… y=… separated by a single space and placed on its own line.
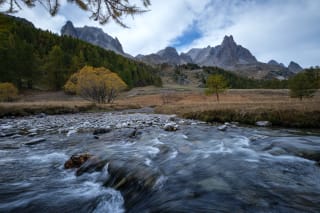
x=143 y=168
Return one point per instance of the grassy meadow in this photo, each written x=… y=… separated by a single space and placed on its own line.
x=244 y=106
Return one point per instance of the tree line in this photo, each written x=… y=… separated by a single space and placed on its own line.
x=32 y=58
x=240 y=82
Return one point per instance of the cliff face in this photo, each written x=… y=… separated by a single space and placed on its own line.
x=294 y=67
x=226 y=55
x=94 y=36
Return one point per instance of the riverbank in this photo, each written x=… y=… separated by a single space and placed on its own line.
x=58 y=107
x=243 y=106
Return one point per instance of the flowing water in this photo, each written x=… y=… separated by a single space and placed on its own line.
x=147 y=169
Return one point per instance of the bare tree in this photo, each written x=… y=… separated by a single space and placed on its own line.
x=101 y=10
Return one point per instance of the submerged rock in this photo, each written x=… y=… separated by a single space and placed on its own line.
x=222 y=128
x=7 y=134
x=215 y=184
x=77 y=160
x=41 y=115
x=100 y=131
x=171 y=127
x=35 y=141
x=134 y=133
x=263 y=123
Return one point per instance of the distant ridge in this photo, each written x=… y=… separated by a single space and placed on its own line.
x=94 y=36
x=228 y=55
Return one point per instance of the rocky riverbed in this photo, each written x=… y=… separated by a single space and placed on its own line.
x=143 y=162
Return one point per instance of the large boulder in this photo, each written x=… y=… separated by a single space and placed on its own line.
x=170 y=127
x=263 y=123
x=77 y=160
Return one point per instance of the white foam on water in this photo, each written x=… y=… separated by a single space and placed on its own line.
x=147 y=162
x=160 y=182
x=152 y=151
x=7 y=159
x=252 y=160
x=52 y=157
x=221 y=148
x=156 y=141
x=173 y=155
x=108 y=199
x=241 y=141
x=71 y=132
x=5 y=126
x=288 y=158
x=112 y=202
x=184 y=136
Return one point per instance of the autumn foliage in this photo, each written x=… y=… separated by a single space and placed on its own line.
x=216 y=84
x=97 y=84
x=8 y=92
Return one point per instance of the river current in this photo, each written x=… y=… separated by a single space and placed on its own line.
x=147 y=169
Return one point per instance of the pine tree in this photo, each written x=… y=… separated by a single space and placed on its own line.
x=55 y=68
x=301 y=86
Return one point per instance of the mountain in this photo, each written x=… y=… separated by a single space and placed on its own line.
x=294 y=67
x=275 y=63
x=95 y=36
x=169 y=55
x=228 y=55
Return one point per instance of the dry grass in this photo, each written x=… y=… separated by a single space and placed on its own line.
x=249 y=106
x=245 y=106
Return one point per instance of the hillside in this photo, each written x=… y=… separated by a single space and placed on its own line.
x=32 y=58
x=191 y=76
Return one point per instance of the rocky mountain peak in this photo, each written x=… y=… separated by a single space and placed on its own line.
x=294 y=67
x=273 y=62
x=169 y=51
x=228 y=55
x=69 y=30
x=170 y=55
x=228 y=41
x=95 y=36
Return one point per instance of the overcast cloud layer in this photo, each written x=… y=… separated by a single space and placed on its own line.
x=271 y=29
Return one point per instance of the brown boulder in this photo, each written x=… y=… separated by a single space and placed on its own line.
x=77 y=160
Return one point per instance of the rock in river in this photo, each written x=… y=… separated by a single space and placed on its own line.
x=263 y=123
x=35 y=141
x=99 y=131
x=222 y=128
x=77 y=160
x=171 y=127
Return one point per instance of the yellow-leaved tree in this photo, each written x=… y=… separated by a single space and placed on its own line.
x=97 y=84
x=216 y=84
x=8 y=92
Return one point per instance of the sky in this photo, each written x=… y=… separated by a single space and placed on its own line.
x=283 y=30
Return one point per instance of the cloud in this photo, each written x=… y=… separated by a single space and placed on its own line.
x=41 y=18
x=157 y=29
x=271 y=29
x=282 y=30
